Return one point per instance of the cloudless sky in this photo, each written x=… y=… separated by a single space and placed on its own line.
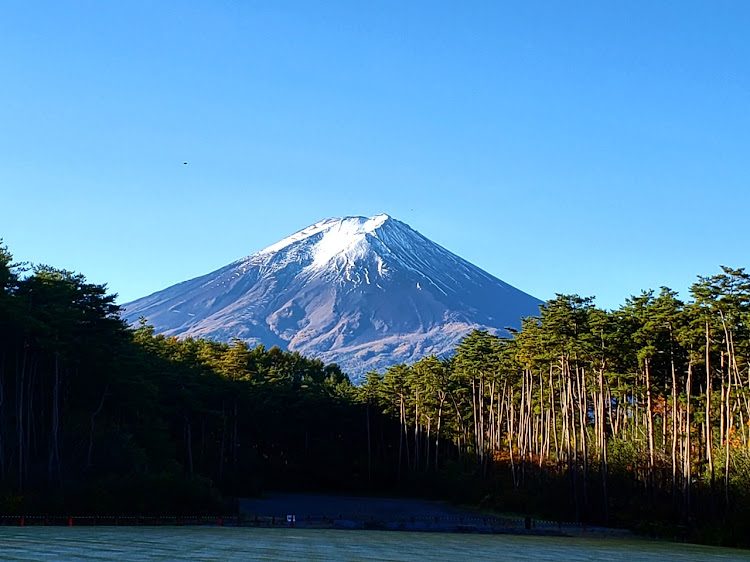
x=597 y=148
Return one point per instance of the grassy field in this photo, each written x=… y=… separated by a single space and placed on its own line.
x=226 y=543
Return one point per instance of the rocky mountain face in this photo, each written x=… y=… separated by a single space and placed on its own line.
x=365 y=293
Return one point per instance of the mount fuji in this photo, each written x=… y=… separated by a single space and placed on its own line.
x=366 y=293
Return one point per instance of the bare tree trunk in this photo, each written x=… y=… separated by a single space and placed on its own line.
x=189 y=442
x=20 y=385
x=500 y=409
x=427 y=450
x=727 y=441
x=603 y=440
x=511 y=423
x=369 y=446
x=406 y=432
x=686 y=483
x=582 y=410
x=92 y=427
x=553 y=408
x=202 y=461
x=416 y=430
x=675 y=411
x=650 y=426
x=544 y=421
x=491 y=423
x=402 y=430
x=437 y=433
x=723 y=412
x=223 y=441
x=727 y=450
x=709 y=444
x=2 y=416
x=574 y=436
x=54 y=454
x=235 y=452
x=476 y=421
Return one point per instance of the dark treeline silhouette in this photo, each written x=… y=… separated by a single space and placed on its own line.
x=636 y=417
x=96 y=417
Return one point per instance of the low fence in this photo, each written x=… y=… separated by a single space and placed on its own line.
x=119 y=520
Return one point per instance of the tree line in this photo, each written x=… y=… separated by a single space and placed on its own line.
x=98 y=417
x=638 y=416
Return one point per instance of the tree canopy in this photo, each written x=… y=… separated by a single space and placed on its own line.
x=635 y=416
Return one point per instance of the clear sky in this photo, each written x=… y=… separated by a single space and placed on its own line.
x=597 y=148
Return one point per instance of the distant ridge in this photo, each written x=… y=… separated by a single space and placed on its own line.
x=365 y=293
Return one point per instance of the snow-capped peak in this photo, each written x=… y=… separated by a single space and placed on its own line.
x=338 y=234
x=373 y=223
x=346 y=238
x=366 y=292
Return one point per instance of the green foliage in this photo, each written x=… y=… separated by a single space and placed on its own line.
x=97 y=417
x=636 y=417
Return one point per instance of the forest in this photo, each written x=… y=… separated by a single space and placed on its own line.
x=637 y=417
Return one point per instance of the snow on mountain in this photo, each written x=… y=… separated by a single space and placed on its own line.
x=365 y=293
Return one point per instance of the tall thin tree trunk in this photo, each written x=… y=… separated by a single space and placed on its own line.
x=89 y=456
x=406 y=432
x=553 y=408
x=235 y=452
x=369 y=446
x=189 y=442
x=203 y=445
x=687 y=478
x=223 y=441
x=2 y=416
x=476 y=421
x=582 y=410
x=437 y=432
x=675 y=412
x=416 y=430
x=401 y=431
x=427 y=444
x=650 y=427
x=709 y=443
x=727 y=443
x=53 y=464
x=603 y=438
x=20 y=385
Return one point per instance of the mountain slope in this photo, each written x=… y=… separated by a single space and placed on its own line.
x=363 y=292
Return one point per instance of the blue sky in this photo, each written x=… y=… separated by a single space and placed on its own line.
x=597 y=148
